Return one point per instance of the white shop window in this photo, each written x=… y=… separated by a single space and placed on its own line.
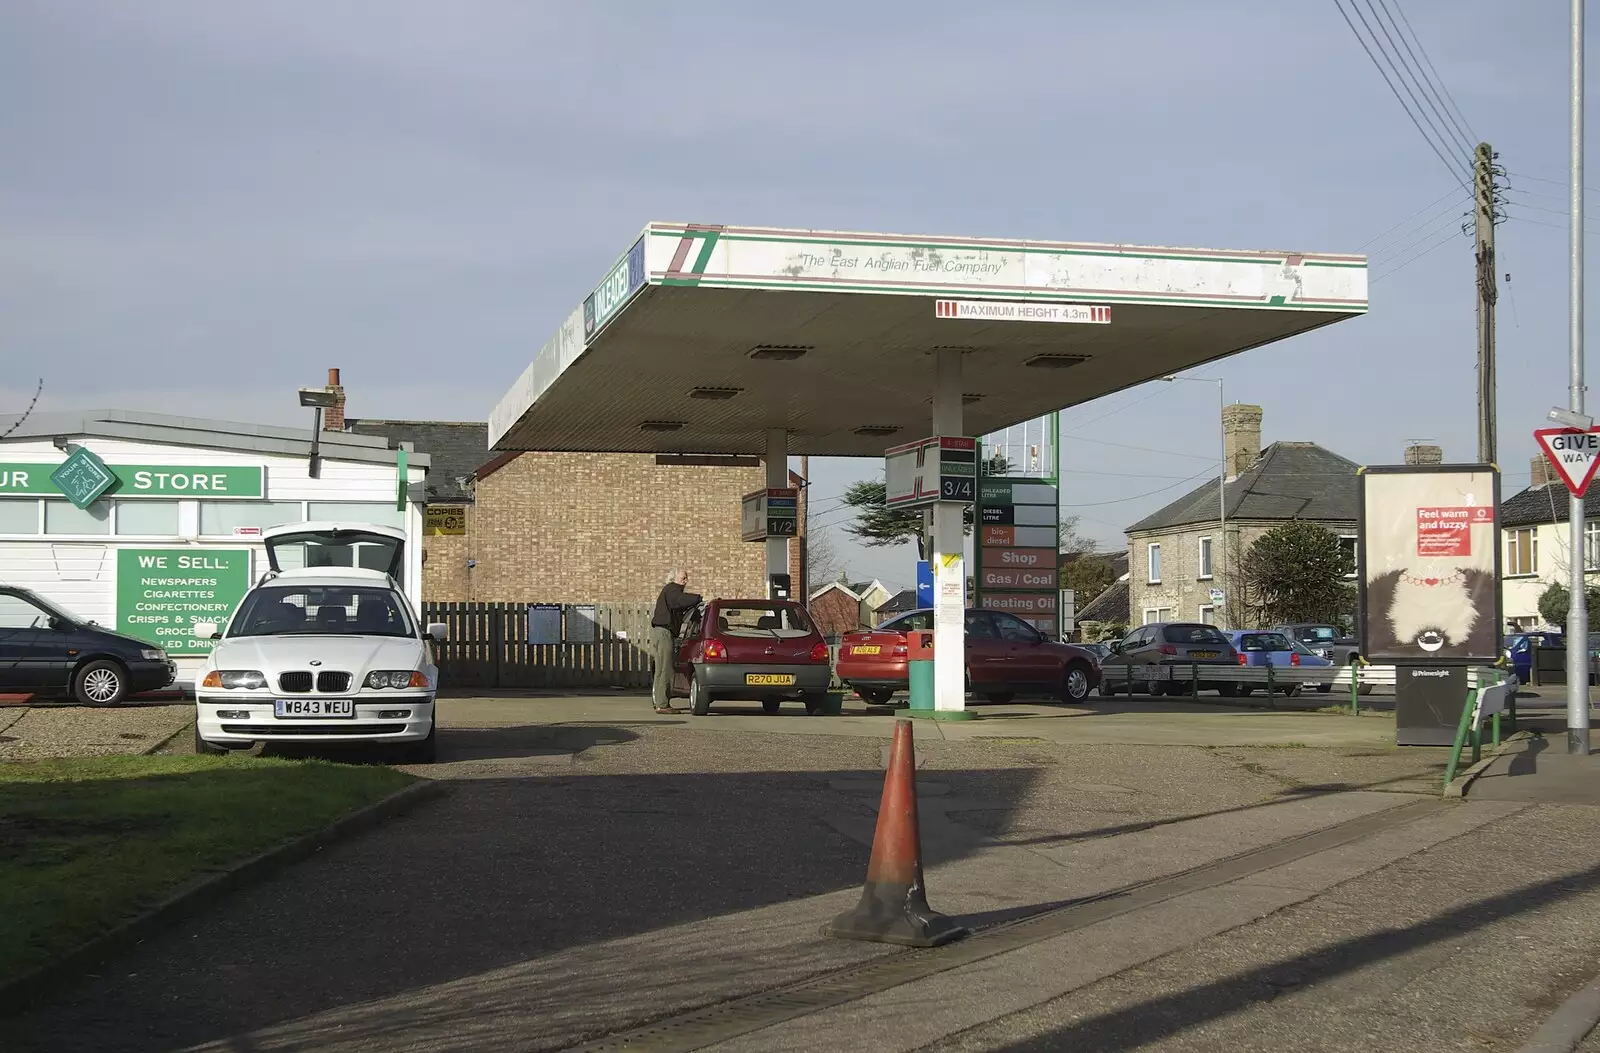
x=64 y=517
x=1153 y=563
x=354 y=512
x=19 y=517
x=1205 y=559
x=147 y=518
x=222 y=518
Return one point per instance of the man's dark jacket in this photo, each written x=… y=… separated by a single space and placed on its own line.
x=671 y=606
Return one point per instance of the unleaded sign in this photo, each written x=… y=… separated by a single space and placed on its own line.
x=205 y=481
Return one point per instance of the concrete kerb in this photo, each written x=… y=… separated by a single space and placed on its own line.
x=151 y=750
x=1570 y=1024
x=61 y=974
x=1458 y=785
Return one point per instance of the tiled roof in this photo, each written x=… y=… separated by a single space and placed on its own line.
x=1110 y=606
x=1549 y=503
x=456 y=447
x=1118 y=560
x=1290 y=480
x=904 y=600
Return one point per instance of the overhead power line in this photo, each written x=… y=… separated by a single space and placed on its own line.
x=1458 y=172
x=1413 y=70
x=1472 y=136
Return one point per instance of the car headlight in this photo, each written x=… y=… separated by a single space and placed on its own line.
x=153 y=655
x=396 y=678
x=231 y=679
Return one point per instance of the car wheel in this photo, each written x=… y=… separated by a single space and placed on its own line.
x=1075 y=685
x=1292 y=690
x=770 y=706
x=426 y=751
x=1000 y=698
x=204 y=748
x=1324 y=688
x=815 y=702
x=1242 y=690
x=699 y=697
x=1106 y=690
x=101 y=683
x=875 y=696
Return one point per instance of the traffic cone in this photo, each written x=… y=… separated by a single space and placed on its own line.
x=894 y=904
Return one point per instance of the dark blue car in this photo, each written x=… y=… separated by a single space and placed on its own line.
x=1518 y=650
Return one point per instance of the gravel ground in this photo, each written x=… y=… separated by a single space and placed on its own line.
x=1467 y=946
x=35 y=732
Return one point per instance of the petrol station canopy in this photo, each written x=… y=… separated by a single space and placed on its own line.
x=702 y=338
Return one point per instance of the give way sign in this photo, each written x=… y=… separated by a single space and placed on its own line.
x=1575 y=454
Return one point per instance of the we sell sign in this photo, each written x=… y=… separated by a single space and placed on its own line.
x=163 y=592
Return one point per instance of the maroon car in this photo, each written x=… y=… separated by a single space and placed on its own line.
x=754 y=650
x=1005 y=657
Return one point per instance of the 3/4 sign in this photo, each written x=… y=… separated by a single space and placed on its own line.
x=1573 y=453
x=956 y=487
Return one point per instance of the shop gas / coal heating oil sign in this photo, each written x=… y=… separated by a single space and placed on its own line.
x=163 y=592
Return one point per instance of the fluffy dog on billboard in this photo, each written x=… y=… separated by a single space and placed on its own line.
x=1436 y=604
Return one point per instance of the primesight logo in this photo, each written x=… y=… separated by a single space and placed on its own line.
x=1430 y=672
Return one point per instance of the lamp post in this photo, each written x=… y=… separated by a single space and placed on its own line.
x=318 y=399
x=1219 y=554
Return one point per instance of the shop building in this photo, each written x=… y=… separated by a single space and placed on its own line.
x=148 y=523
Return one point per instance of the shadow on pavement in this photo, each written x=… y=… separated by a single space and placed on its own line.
x=497 y=872
x=1153 y=1020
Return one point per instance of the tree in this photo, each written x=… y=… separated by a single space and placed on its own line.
x=1087 y=574
x=1296 y=573
x=822 y=557
x=878 y=525
x=1556 y=601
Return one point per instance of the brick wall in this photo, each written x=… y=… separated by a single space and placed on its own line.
x=1181 y=588
x=606 y=528
x=835 y=613
x=445 y=578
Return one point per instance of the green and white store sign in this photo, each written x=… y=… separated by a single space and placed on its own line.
x=163 y=592
x=206 y=481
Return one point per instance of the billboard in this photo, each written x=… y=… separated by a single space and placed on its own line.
x=1428 y=563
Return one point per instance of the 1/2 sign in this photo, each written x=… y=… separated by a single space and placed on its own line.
x=778 y=526
x=957 y=488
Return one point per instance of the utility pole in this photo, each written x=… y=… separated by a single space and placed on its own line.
x=1578 y=609
x=1484 y=219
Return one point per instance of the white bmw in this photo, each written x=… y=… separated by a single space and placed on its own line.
x=325 y=654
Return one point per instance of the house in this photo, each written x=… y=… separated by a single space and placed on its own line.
x=840 y=607
x=1183 y=568
x=902 y=602
x=1106 y=615
x=1537 y=553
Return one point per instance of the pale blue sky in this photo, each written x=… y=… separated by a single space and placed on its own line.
x=206 y=205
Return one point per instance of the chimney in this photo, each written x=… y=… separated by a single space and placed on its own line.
x=1541 y=472
x=1421 y=453
x=333 y=416
x=1241 y=431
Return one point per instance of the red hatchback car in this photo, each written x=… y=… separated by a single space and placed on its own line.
x=762 y=650
x=1005 y=657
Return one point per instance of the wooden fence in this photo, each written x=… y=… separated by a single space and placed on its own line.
x=512 y=645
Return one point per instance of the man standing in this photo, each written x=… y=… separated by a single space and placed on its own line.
x=671 y=606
